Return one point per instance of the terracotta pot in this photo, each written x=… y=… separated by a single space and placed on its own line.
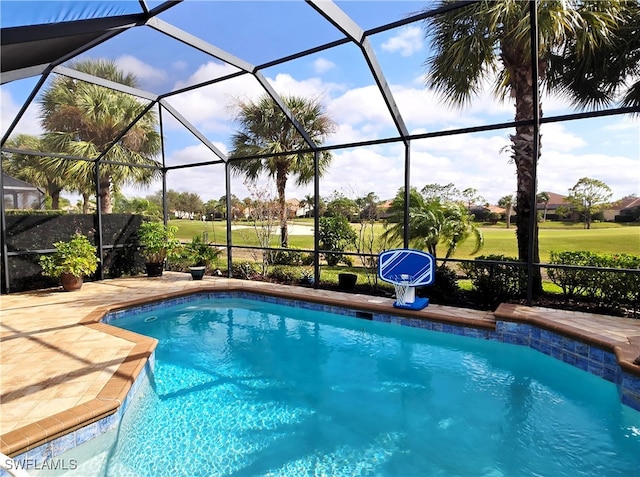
x=71 y=282
x=154 y=269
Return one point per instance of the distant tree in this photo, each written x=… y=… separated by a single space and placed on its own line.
x=445 y=193
x=588 y=197
x=136 y=205
x=507 y=203
x=39 y=171
x=340 y=205
x=210 y=208
x=265 y=129
x=543 y=198
x=368 y=206
x=471 y=197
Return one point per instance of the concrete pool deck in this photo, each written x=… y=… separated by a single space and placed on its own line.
x=62 y=369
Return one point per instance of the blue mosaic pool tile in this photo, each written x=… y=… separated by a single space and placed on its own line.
x=610 y=359
x=631 y=383
x=596 y=354
x=535 y=333
x=63 y=444
x=382 y=318
x=581 y=362
x=630 y=390
x=582 y=348
x=596 y=368
x=570 y=358
x=108 y=423
x=38 y=455
x=87 y=432
x=610 y=373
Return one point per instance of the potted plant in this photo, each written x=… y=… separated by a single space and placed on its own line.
x=347 y=281
x=158 y=241
x=200 y=254
x=71 y=261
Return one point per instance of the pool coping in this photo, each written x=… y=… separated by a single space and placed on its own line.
x=115 y=392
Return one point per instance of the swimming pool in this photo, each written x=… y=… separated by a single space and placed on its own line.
x=252 y=388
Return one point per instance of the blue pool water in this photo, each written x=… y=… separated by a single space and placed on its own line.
x=257 y=389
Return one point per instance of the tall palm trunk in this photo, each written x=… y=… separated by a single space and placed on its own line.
x=106 y=206
x=523 y=156
x=85 y=202
x=54 y=192
x=281 y=183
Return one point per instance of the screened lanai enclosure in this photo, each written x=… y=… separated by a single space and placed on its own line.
x=390 y=104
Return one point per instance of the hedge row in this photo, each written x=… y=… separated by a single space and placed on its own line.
x=496 y=282
x=608 y=286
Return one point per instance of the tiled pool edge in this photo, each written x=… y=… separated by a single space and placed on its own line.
x=590 y=357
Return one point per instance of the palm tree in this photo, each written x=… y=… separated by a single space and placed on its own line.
x=491 y=40
x=43 y=172
x=82 y=119
x=507 y=204
x=543 y=198
x=265 y=129
x=432 y=222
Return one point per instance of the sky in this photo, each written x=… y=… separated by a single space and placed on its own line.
x=607 y=149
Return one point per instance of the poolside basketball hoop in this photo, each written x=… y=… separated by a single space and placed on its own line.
x=406 y=269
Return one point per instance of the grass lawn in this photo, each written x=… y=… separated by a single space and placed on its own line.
x=553 y=236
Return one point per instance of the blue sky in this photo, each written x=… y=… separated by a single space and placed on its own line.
x=257 y=32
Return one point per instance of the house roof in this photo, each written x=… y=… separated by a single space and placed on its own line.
x=554 y=201
x=627 y=203
x=12 y=183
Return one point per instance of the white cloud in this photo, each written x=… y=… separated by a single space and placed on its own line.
x=322 y=65
x=179 y=65
x=206 y=181
x=555 y=137
x=409 y=41
x=28 y=124
x=143 y=71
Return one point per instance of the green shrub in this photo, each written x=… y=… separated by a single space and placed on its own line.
x=611 y=288
x=290 y=256
x=244 y=270
x=495 y=282
x=285 y=273
x=574 y=282
x=445 y=287
x=335 y=234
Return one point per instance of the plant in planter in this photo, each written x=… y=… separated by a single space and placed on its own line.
x=72 y=261
x=158 y=241
x=200 y=254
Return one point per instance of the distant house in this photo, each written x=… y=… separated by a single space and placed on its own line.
x=20 y=194
x=624 y=210
x=550 y=209
x=294 y=209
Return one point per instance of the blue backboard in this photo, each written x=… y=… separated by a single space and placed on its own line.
x=407 y=266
